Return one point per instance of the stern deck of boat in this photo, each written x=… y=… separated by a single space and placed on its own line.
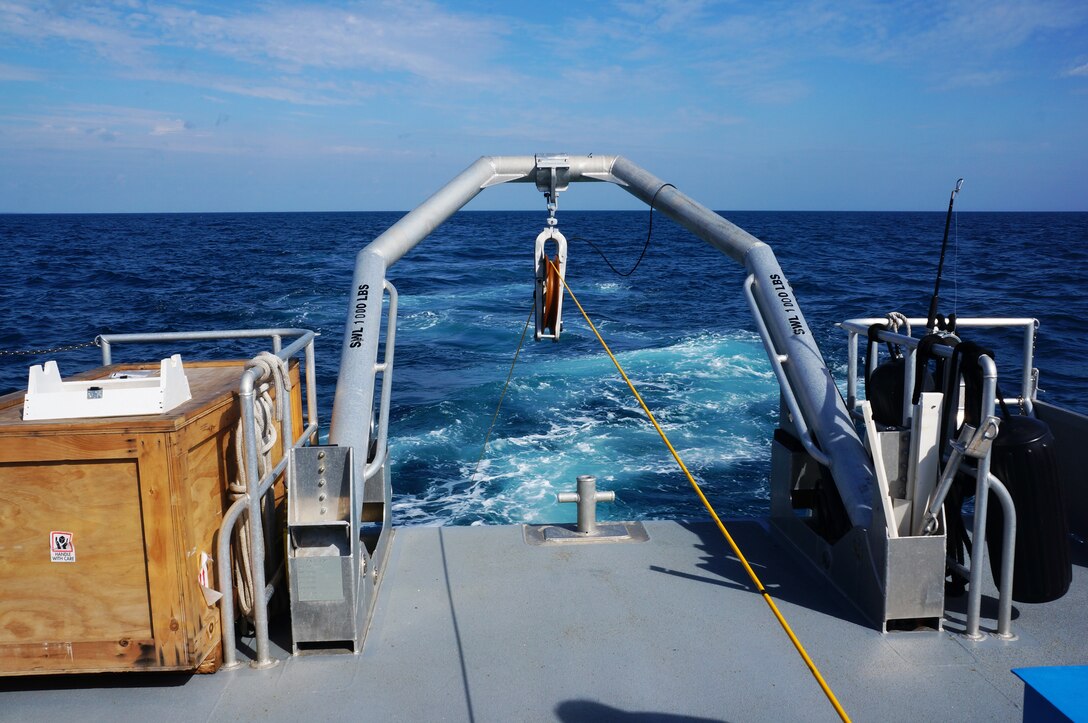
x=472 y=623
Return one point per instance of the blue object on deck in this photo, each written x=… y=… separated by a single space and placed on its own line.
x=1054 y=693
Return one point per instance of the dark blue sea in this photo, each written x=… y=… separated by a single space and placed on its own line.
x=679 y=323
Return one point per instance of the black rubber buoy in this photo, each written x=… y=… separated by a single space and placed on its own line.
x=885 y=391
x=1023 y=457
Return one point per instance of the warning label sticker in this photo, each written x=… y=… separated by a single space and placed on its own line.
x=61 y=548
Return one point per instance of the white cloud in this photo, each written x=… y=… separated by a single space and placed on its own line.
x=1080 y=71
x=974 y=79
x=352 y=150
x=322 y=54
x=345 y=53
x=18 y=73
x=95 y=25
x=77 y=126
x=697 y=117
x=667 y=15
x=589 y=72
x=287 y=89
x=169 y=126
x=745 y=45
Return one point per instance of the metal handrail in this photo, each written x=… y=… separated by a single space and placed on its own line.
x=984 y=483
x=856 y=327
x=255 y=491
x=1008 y=558
x=276 y=334
x=385 y=368
x=256 y=488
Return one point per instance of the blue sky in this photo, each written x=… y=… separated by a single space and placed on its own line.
x=195 y=106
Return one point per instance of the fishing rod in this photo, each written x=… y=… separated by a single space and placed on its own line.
x=931 y=323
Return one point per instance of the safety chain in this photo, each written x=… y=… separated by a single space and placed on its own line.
x=52 y=350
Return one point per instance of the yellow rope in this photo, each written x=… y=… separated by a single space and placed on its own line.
x=706 y=503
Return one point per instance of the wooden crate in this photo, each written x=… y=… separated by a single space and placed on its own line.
x=141 y=498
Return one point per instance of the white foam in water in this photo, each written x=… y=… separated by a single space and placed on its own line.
x=422 y=320
x=572 y=416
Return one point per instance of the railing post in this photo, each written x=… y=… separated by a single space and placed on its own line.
x=256 y=528
x=978 y=533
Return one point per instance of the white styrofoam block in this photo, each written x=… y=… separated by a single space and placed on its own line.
x=48 y=397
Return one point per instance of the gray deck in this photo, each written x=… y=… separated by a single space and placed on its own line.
x=472 y=623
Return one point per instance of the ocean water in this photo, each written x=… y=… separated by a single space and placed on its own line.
x=679 y=325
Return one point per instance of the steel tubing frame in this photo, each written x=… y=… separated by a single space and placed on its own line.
x=818 y=399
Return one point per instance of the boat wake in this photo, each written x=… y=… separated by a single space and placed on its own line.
x=713 y=395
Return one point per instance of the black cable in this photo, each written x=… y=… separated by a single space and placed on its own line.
x=649 y=232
